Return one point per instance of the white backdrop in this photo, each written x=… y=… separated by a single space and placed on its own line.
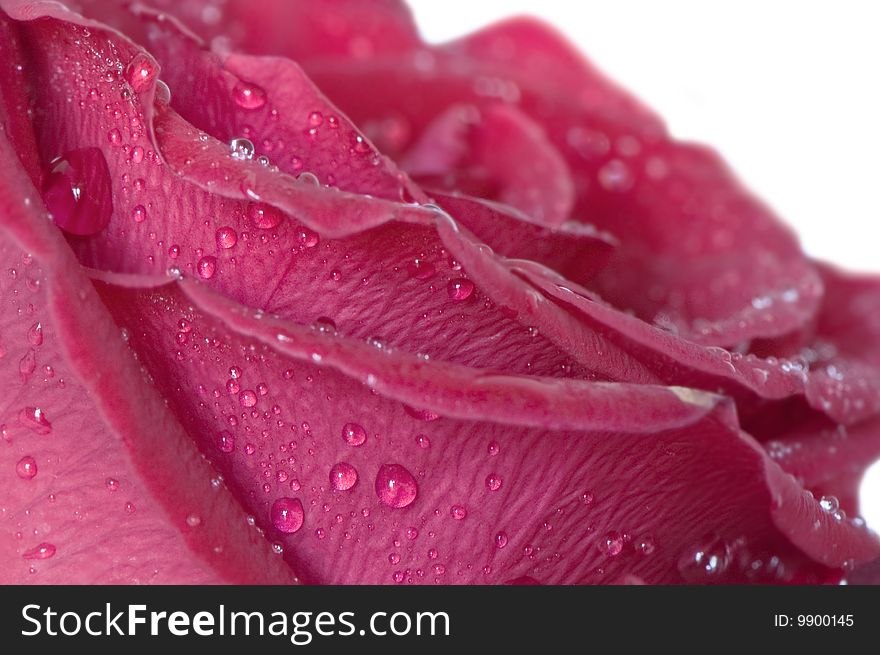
x=787 y=91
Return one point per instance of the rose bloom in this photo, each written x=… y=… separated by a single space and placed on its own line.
x=291 y=296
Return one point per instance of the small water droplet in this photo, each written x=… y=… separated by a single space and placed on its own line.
x=325 y=325
x=35 y=334
x=207 y=266
x=35 y=419
x=247 y=398
x=343 y=476
x=316 y=119
x=829 y=503
x=226 y=442
x=460 y=289
x=493 y=482
x=587 y=498
x=248 y=96
x=423 y=441
x=241 y=148
x=41 y=551
x=395 y=486
x=287 y=515
x=616 y=176
x=705 y=562
x=421 y=414
x=26 y=468
x=112 y=484
x=612 y=544
x=493 y=448
x=77 y=191
x=226 y=238
x=139 y=214
x=458 y=512
x=354 y=434
x=193 y=520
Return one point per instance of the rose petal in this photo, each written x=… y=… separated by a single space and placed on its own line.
x=101 y=484
x=496 y=153
x=290 y=438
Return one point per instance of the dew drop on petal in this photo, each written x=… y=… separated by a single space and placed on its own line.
x=207 y=266
x=35 y=334
x=493 y=482
x=501 y=540
x=287 y=515
x=612 y=544
x=41 y=551
x=226 y=442
x=395 y=486
x=139 y=214
x=264 y=216
x=616 y=176
x=226 y=238
x=460 y=289
x=241 y=148
x=421 y=414
x=458 y=512
x=423 y=441
x=354 y=434
x=248 y=96
x=343 y=476
x=77 y=192
x=493 y=448
x=247 y=398
x=26 y=468
x=35 y=419
x=140 y=72
x=705 y=562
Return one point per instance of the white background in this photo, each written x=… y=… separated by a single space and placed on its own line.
x=788 y=92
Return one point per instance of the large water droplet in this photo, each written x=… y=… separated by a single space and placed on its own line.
x=705 y=562
x=612 y=544
x=264 y=216
x=26 y=468
x=41 y=551
x=460 y=289
x=396 y=486
x=248 y=96
x=241 y=148
x=140 y=72
x=287 y=515
x=354 y=434
x=35 y=419
x=77 y=191
x=343 y=476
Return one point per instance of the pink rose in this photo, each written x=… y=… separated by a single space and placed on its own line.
x=472 y=316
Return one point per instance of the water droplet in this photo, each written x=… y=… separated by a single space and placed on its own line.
x=325 y=325
x=163 y=93
x=247 y=398
x=343 y=476
x=140 y=72
x=646 y=545
x=616 y=176
x=26 y=468
x=421 y=414
x=458 y=512
x=705 y=562
x=114 y=136
x=421 y=270
x=287 y=515
x=412 y=533
x=226 y=442
x=27 y=364
x=263 y=216
x=316 y=119
x=829 y=503
x=139 y=214
x=423 y=441
x=35 y=419
x=493 y=448
x=396 y=486
x=248 y=96
x=501 y=540
x=493 y=482
x=241 y=148
x=78 y=193
x=35 y=334
x=353 y=434
x=460 y=289
x=193 y=520
x=130 y=508
x=207 y=266
x=226 y=238
x=277 y=548
x=112 y=484
x=612 y=544
x=587 y=498
x=394 y=558
x=41 y=551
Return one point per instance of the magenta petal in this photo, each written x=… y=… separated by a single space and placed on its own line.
x=449 y=523
x=497 y=153
x=101 y=485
